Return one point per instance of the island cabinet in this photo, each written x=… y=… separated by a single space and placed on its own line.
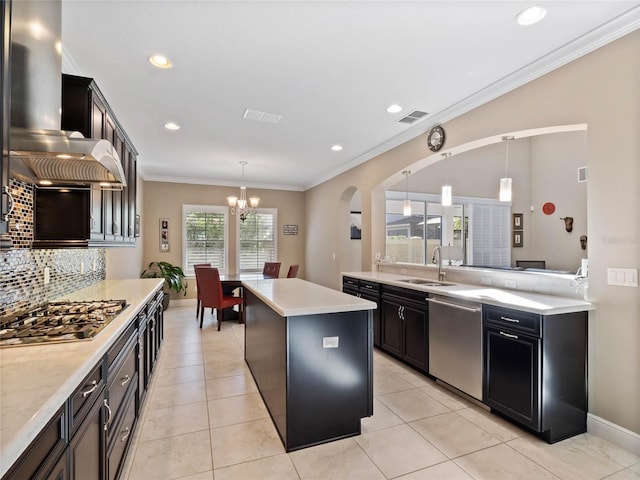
x=535 y=370
x=89 y=436
x=313 y=365
x=404 y=325
x=369 y=291
x=112 y=212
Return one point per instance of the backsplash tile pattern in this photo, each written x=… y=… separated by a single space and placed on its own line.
x=22 y=269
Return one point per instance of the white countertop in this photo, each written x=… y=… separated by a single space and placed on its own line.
x=292 y=296
x=519 y=300
x=36 y=380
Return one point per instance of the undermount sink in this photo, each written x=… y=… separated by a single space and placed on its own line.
x=426 y=282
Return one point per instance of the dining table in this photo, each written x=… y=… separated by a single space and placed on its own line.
x=233 y=281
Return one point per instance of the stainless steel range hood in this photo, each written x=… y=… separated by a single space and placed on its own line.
x=40 y=151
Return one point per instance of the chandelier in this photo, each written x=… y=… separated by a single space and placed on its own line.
x=240 y=206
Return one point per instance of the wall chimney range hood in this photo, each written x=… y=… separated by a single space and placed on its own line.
x=41 y=152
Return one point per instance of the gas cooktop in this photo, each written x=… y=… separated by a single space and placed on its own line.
x=60 y=321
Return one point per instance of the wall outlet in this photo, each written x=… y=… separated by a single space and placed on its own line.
x=624 y=277
x=81 y=267
x=330 y=342
x=46 y=275
x=510 y=284
x=485 y=280
x=94 y=266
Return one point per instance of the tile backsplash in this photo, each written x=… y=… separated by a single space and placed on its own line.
x=22 y=270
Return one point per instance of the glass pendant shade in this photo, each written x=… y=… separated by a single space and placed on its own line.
x=446 y=195
x=406 y=208
x=505 y=189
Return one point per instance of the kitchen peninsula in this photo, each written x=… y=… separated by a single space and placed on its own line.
x=310 y=351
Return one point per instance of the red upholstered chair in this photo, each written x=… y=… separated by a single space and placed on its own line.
x=212 y=296
x=293 y=271
x=195 y=267
x=271 y=269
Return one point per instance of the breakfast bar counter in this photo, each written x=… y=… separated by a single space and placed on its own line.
x=310 y=351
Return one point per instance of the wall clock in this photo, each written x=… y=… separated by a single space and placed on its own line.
x=548 y=208
x=435 y=139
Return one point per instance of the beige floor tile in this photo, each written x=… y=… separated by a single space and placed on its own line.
x=175 y=420
x=170 y=395
x=502 y=463
x=496 y=426
x=567 y=459
x=335 y=460
x=635 y=468
x=382 y=417
x=399 y=450
x=230 y=386
x=238 y=409
x=278 y=467
x=446 y=397
x=441 y=471
x=416 y=379
x=225 y=369
x=178 y=348
x=606 y=449
x=177 y=376
x=182 y=359
x=172 y=457
x=199 y=476
x=224 y=354
x=412 y=405
x=625 y=474
x=244 y=442
x=453 y=435
x=387 y=382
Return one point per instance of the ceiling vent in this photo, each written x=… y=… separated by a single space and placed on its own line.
x=413 y=117
x=259 y=116
x=583 y=174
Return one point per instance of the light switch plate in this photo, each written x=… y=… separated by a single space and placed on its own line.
x=624 y=277
x=330 y=342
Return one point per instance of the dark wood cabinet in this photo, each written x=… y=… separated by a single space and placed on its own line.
x=369 y=291
x=535 y=370
x=111 y=212
x=86 y=449
x=404 y=325
x=5 y=80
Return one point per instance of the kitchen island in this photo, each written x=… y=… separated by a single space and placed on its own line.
x=310 y=351
x=37 y=381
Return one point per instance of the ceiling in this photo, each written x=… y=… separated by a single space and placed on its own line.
x=329 y=68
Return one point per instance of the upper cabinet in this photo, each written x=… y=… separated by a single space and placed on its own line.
x=5 y=80
x=110 y=212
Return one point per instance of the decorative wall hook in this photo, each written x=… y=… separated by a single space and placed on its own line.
x=568 y=223
x=583 y=242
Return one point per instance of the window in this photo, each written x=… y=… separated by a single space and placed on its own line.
x=204 y=237
x=257 y=240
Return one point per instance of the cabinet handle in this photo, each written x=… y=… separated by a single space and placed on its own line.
x=125 y=380
x=127 y=432
x=512 y=320
x=453 y=305
x=509 y=335
x=93 y=223
x=94 y=385
x=106 y=424
x=5 y=191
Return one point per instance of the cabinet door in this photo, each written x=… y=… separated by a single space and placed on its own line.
x=415 y=339
x=511 y=377
x=86 y=450
x=132 y=189
x=124 y=195
x=391 y=338
x=59 y=470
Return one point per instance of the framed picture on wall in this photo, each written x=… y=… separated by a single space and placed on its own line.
x=517 y=221
x=356 y=225
x=517 y=238
x=164 y=235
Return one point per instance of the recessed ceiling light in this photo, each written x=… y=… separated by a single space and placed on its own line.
x=394 y=108
x=531 y=15
x=336 y=148
x=160 y=61
x=171 y=126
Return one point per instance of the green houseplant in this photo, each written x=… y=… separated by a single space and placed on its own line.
x=173 y=276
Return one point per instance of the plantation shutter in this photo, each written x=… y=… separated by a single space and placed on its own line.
x=258 y=240
x=204 y=237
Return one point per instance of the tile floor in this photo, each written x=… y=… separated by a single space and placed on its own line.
x=204 y=419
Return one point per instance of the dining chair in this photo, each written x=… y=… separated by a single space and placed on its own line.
x=293 y=271
x=271 y=269
x=213 y=296
x=195 y=268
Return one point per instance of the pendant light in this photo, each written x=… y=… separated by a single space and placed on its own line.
x=240 y=206
x=505 y=183
x=446 y=188
x=406 y=206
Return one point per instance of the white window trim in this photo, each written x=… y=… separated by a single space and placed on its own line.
x=205 y=209
x=272 y=211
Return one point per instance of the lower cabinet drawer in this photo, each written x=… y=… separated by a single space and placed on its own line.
x=122 y=379
x=121 y=436
x=83 y=398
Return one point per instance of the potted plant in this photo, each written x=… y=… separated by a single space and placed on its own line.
x=173 y=276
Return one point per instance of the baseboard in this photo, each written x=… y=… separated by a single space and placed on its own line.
x=613 y=433
x=183 y=302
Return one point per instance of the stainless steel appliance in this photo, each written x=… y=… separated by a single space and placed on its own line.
x=62 y=321
x=455 y=343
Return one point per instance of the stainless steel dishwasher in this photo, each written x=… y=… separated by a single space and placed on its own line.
x=455 y=343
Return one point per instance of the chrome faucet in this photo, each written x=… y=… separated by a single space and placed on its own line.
x=441 y=272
